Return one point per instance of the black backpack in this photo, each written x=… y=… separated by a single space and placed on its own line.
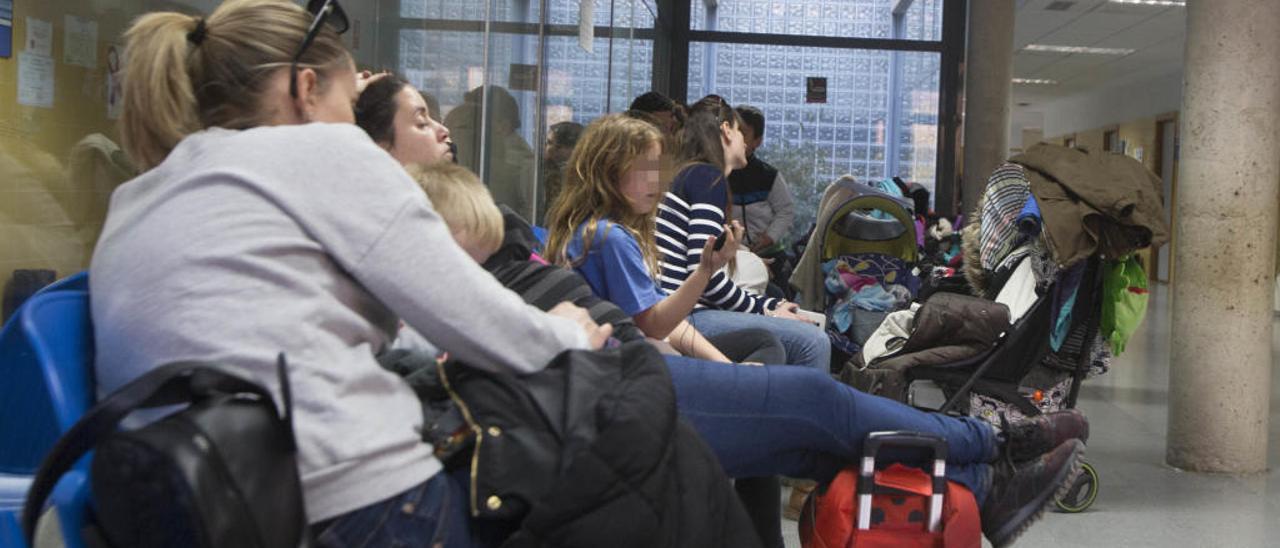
x=220 y=472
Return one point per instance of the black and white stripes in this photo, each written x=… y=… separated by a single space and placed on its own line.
x=690 y=214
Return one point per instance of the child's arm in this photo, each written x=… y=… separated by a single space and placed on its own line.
x=689 y=342
x=660 y=320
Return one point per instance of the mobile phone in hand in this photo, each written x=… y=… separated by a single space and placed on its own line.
x=719 y=242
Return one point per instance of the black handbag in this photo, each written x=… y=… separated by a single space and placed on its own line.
x=220 y=472
x=516 y=434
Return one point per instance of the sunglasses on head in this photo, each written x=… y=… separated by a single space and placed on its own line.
x=323 y=12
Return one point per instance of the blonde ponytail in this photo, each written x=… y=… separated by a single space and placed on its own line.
x=159 y=104
x=177 y=83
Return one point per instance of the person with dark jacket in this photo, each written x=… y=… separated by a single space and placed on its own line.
x=761 y=197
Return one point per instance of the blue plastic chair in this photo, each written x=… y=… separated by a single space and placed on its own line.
x=75 y=282
x=29 y=424
x=58 y=328
x=48 y=364
x=10 y=531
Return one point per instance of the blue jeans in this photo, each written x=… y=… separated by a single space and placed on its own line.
x=805 y=344
x=430 y=514
x=798 y=422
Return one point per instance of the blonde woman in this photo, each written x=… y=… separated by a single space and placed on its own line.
x=260 y=226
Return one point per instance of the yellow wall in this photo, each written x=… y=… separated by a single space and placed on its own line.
x=49 y=217
x=1141 y=134
x=51 y=208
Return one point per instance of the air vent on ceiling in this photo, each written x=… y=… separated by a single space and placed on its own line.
x=1059 y=6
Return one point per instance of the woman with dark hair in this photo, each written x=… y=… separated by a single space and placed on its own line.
x=399 y=119
x=695 y=210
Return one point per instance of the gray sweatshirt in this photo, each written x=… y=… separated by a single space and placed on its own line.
x=312 y=241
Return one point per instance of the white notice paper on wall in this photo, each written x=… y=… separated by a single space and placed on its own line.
x=115 y=86
x=587 y=25
x=35 y=80
x=80 y=42
x=39 y=37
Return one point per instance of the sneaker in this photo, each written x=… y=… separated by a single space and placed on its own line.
x=1038 y=435
x=1020 y=493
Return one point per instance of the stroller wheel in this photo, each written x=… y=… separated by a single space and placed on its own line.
x=1082 y=493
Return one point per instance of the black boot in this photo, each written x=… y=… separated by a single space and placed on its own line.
x=1020 y=493
x=1035 y=436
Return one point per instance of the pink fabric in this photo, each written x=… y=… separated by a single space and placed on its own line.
x=854 y=281
x=538 y=259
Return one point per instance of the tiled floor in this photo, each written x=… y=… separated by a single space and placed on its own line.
x=1142 y=501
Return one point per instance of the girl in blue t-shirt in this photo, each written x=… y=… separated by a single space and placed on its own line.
x=598 y=230
x=762 y=421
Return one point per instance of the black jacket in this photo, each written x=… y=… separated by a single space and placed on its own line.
x=634 y=473
x=588 y=452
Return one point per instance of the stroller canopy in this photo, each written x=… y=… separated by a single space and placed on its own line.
x=868 y=221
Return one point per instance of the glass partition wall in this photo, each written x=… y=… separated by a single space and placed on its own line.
x=504 y=72
x=501 y=74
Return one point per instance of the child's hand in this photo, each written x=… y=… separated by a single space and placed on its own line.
x=713 y=260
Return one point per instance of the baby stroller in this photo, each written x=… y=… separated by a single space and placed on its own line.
x=1028 y=351
x=859 y=262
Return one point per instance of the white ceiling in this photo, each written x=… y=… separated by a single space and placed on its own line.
x=1157 y=33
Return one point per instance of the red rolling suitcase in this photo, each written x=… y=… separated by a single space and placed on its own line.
x=898 y=506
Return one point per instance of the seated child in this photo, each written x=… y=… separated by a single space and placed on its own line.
x=482 y=230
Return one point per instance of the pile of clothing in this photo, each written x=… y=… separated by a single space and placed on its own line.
x=865 y=288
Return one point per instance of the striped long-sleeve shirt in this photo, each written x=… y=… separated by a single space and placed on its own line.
x=691 y=213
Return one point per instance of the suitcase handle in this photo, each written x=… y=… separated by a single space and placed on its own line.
x=867 y=474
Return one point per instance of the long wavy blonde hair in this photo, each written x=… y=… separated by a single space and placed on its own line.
x=608 y=148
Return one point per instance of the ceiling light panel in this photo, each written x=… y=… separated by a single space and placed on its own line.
x=1078 y=49
x=1166 y=3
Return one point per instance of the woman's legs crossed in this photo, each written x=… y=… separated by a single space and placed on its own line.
x=805 y=344
x=750 y=345
x=799 y=422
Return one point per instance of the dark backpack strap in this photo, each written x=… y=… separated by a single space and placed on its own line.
x=176 y=383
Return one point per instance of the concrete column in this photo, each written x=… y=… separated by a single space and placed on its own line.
x=1220 y=373
x=987 y=87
